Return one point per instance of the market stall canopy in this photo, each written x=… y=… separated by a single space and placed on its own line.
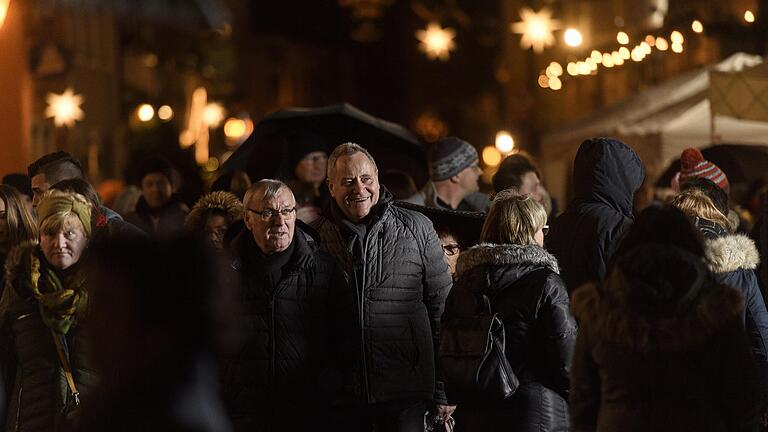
x=742 y=95
x=740 y=163
x=267 y=153
x=676 y=111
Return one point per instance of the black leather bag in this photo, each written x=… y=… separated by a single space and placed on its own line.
x=471 y=359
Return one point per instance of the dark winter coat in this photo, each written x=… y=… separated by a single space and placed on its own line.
x=164 y=222
x=34 y=378
x=271 y=381
x=733 y=259
x=427 y=197
x=524 y=288
x=395 y=313
x=661 y=347
x=606 y=174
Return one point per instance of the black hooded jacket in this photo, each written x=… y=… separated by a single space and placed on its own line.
x=606 y=174
x=524 y=288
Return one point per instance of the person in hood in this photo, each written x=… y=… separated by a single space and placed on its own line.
x=661 y=345
x=280 y=375
x=159 y=212
x=732 y=259
x=398 y=281
x=606 y=174
x=454 y=172
x=522 y=281
x=212 y=215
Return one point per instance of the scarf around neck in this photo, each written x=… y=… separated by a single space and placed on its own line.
x=60 y=302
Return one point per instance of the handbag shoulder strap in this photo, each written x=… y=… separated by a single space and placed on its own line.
x=66 y=366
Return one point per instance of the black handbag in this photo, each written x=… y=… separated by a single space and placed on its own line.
x=471 y=359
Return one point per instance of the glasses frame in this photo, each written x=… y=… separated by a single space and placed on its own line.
x=447 y=249
x=268 y=214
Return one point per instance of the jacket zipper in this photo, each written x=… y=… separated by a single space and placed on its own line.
x=366 y=388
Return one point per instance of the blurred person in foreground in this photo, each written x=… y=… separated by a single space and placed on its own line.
x=159 y=212
x=661 y=345
x=398 y=281
x=606 y=174
x=160 y=310
x=454 y=172
x=43 y=318
x=281 y=375
x=16 y=224
x=212 y=215
x=521 y=279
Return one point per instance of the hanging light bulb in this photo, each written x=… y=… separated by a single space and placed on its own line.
x=622 y=38
x=572 y=37
x=662 y=44
x=436 y=42
x=697 y=26
x=536 y=29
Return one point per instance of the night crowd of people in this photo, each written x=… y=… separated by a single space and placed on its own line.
x=317 y=302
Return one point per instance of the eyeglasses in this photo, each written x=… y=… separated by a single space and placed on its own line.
x=451 y=249
x=545 y=229
x=268 y=214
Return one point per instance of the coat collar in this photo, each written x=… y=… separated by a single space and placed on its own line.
x=730 y=253
x=493 y=254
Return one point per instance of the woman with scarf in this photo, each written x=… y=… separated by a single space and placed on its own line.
x=43 y=353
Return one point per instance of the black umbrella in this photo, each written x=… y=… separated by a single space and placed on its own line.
x=267 y=152
x=740 y=163
x=463 y=225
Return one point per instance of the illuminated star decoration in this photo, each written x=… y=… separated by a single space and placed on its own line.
x=436 y=42
x=536 y=28
x=64 y=108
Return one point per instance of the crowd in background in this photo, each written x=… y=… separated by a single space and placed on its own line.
x=316 y=302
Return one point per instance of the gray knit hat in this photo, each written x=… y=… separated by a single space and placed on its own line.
x=449 y=156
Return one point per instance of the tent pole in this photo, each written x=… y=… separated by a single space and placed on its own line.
x=712 y=128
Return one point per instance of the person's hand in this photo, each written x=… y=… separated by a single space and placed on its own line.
x=444 y=412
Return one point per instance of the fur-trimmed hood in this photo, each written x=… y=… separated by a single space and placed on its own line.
x=622 y=310
x=219 y=200
x=500 y=255
x=730 y=253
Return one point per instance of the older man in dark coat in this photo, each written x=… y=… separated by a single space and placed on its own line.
x=398 y=280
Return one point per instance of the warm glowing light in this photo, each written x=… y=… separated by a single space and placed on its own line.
x=573 y=37
x=165 y=113
x=596 y=56
x=536 y=28
x=749 y=16
x=4 y=4
x=145 y=112
x=584 y=68
x=554 y=70
x=234 y=128
x=504 y=141
x=555 y=84
x=697 y=26
x=491 y=156
x=64 y=108
x=650 y=40
x=677 y=48
x=622 y=38
x=607 y=60
x=211 y=165
x=645 y=47
x=543 y=81
x=637 y=54
x=624 y=53
x=591 y=64
x=436 y=42
x=618 y=60
x=662 y=44
x=573 y=69
x=677 y=37
x=213 y=114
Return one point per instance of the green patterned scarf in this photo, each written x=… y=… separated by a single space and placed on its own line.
x=59 y=305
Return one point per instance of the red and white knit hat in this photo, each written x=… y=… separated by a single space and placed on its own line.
x=693 y=166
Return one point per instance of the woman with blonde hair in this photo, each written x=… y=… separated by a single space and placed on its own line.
x=732 y=259
x=42 y=313
x=522 y=282
x=16 y=224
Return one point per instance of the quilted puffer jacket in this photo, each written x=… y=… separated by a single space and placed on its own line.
x=399 y=281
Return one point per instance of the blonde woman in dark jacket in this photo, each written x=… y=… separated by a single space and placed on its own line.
x=522 y=281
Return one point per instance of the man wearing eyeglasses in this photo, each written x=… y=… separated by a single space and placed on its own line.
x=398 y=282
x=279 y=375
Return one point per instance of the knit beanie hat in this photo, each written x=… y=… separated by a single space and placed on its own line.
x=65 y=202
x=449 y=156
x=693 y=165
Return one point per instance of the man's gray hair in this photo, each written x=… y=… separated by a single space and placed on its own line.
x=268 y=189
x=347 y=149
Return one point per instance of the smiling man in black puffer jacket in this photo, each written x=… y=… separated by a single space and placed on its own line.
x=398 y=279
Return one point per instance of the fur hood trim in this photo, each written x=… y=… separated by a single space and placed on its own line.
x=493 y=254
x=604 y=319
x=219 y=200
x=13 y=262
x=731 y=252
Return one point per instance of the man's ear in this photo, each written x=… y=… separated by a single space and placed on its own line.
x=454 y=179
x=330 y=186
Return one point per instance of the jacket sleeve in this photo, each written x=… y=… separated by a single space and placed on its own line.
x=584 y=397
x=737 y=385
x=756 y=324
x=437 y=283
x=559 y=330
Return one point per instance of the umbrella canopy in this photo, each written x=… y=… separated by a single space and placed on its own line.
x=465 y=226
x=740 y=163
x=270 y=150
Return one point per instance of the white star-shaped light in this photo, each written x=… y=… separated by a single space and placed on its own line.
x=436 y=42
x=536 y=28
x=64 y=108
